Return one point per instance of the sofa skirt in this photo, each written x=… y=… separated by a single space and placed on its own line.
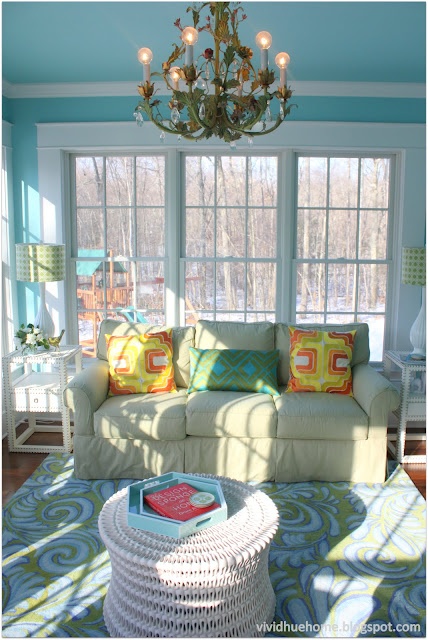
x=331 y=460
x=105 y=458
x=245 y=459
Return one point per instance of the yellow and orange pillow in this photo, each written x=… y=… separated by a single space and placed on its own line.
x=140 y=363
x=320 y=360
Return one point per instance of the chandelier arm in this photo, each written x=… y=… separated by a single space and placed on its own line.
x=148 y=109
x=262 y=133
x=255 y=120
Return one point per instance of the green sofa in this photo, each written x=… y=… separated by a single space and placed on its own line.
x=292 y=437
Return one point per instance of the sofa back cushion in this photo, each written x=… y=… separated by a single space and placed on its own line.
x=182 y=339
x=257 y=336
x=361 y=351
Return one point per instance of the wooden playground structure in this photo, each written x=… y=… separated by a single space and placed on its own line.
x=94 y=296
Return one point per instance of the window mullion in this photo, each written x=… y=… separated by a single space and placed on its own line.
x=215 y=237
x=247 y=160
x=357 y=249
x=326 y=248
x=105 y=217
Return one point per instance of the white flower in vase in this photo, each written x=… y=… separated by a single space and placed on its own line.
x=31 y=339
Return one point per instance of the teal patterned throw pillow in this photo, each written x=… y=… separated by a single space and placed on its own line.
x=233 y=370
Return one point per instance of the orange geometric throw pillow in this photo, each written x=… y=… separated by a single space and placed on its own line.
x=320 y=360
x=140 y=364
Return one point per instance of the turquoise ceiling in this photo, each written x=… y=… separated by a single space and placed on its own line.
x=98 y=41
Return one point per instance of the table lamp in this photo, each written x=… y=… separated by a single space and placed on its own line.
x=414 y=272
x=41 y=263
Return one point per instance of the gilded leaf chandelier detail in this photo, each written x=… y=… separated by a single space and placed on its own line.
x=224 y=95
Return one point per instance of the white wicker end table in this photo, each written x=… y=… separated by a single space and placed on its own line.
x=40 y=391
x=412 y=401
x=214 y=583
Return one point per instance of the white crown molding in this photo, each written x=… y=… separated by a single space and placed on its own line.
x=89 y=136
x=360 y=89
x=300 y=88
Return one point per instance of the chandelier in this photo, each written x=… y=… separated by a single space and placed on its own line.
x=224 y=96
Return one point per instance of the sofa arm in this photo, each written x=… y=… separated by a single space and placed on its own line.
x=376 y=396
x=84 y=394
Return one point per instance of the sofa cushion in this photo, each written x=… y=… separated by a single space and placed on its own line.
x=158 y=416
x=182 y=339
x=320 y=360
x=224 y=414
x=360 y=354
x=140 y=364
x=233 y=370
x=259 y=336
x=320 y=416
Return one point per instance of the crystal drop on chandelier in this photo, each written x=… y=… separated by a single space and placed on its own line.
x=268 y=114
x=175 y=115
x=139 y=118
x=200 y=83
x=202 y=111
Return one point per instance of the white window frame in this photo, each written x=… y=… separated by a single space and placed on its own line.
x=9 y=311
x=135 y=259
x=405 y=141
x=217 y=260
x=357 y=261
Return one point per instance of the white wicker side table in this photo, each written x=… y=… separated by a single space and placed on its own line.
x=214 y=583
x=38 y=392
x=412 y=401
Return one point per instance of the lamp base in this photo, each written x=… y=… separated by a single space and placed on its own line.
x=418 y=332
x=44 y=322
x=43 y=319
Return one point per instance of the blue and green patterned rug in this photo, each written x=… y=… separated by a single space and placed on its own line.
x=348 y=560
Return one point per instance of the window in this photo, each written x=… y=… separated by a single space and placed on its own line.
x=234 y=255
x=343 y=215
x=230 y=240
x=119 y=240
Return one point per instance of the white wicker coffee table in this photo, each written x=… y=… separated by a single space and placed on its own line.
x=214 y=583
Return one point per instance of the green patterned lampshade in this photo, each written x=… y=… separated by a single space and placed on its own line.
x=414 y=266
x=40 y=262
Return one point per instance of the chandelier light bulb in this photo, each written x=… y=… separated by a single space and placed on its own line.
x=282 y=60
x=190 y=37
x=263 y=41
x=145 y=56
x=175 y=76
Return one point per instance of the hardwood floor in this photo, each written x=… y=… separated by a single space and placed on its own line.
x=17 y=467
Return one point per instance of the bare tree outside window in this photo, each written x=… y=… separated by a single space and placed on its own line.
x=229 y=248
x=341 y=242
x=230 y=244
x=120 y=232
